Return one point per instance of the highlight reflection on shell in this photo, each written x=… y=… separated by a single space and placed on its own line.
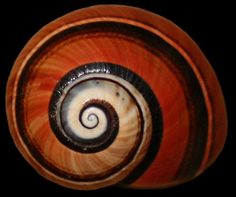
x=115 y=94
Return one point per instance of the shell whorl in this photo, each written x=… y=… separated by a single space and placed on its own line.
x=94 y=102
x=115 y=94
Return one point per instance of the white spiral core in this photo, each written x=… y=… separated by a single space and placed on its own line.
x=89 y=119
x=93 y=118
x=93 y=121
x=90 y=122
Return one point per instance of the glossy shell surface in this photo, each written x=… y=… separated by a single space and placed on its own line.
x=115 y=95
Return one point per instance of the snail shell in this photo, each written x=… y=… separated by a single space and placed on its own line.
x=115 y=94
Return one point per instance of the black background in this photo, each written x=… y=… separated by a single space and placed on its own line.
x=211 y=25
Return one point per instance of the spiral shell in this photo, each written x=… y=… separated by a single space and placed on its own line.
x=115 y=94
